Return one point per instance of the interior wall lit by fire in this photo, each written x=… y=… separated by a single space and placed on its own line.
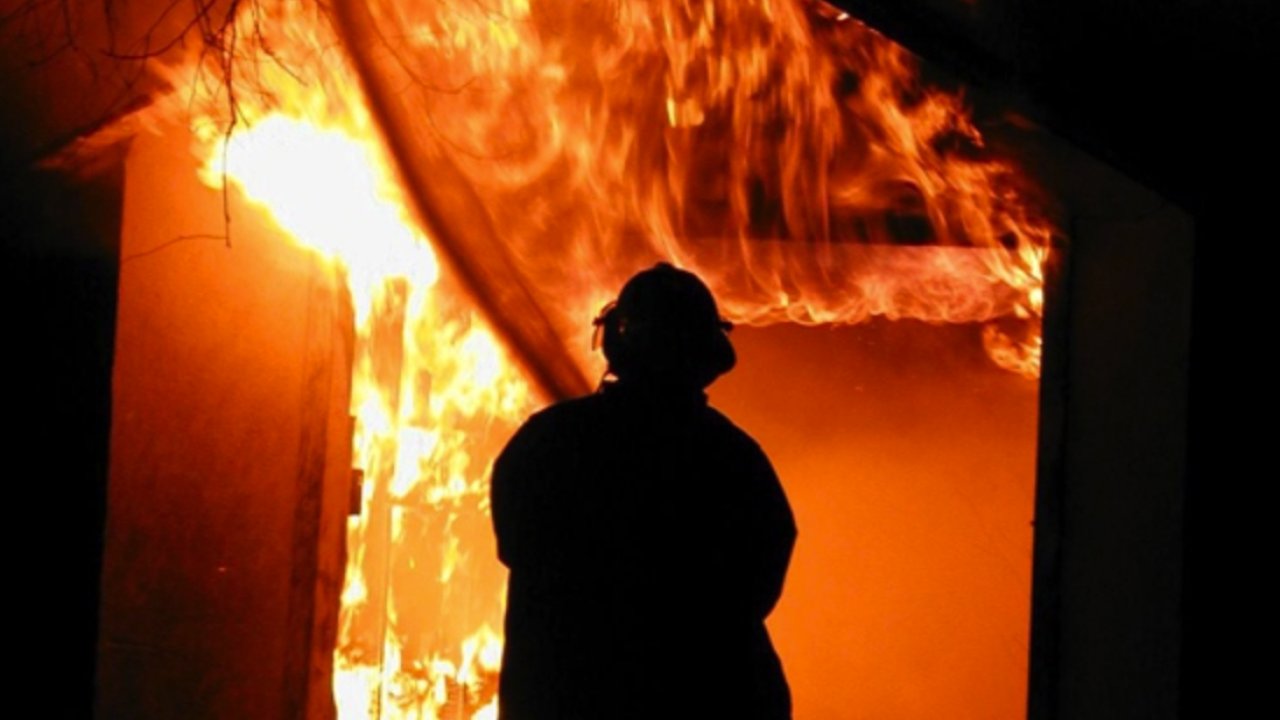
x=909 y=459
x=479 y=180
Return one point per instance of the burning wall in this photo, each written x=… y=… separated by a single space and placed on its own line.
x=229 y=445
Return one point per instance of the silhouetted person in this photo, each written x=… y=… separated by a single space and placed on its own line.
x=646 y=534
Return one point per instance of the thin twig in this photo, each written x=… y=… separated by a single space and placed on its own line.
x=168 y=244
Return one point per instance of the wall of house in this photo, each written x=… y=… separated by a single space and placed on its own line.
x=909 y=459
x=229 y=460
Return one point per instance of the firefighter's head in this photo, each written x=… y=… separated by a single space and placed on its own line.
x=665 y=328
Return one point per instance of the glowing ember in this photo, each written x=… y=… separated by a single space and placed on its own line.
x=787 y=153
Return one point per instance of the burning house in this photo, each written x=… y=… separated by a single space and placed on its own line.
x=349 y=247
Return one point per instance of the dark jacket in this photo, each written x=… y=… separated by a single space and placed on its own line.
x=647 y=538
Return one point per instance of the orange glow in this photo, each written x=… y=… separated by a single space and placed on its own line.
x=788 y=154
x=761 y=144
x=433 y=391
x=421 y=432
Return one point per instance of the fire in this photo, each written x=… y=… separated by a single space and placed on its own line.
x=434 y=393
x=773 y=147
x=424 y=430
x=782 y=150
x=323 y=187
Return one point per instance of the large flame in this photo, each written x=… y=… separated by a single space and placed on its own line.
x=782 y=150
x=432 y=393
x=787 y=153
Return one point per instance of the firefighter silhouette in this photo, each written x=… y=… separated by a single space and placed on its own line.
x=647 y=536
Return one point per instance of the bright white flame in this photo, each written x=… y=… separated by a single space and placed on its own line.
x=333 y=191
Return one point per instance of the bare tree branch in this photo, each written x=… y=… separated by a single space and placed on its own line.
x=170 y=243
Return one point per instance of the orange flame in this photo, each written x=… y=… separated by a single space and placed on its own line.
x=433 y=393
x=788 y=154
x=777 y=148
x=424 y=431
